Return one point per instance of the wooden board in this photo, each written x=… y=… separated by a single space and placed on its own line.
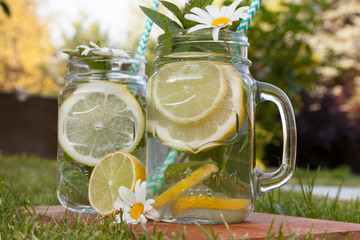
x=256 y=226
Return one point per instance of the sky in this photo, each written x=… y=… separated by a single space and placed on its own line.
x=114 y=16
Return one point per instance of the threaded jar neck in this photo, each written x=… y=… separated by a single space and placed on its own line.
x=105 y=67
x=231 y=48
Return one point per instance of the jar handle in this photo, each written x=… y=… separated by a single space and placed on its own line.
x=270 y=181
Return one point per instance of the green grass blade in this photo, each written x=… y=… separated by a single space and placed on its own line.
x=203 y=230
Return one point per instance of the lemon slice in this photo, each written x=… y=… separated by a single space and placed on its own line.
x=188 y=91
x=211 y=131
x=113 y=171
x=169 y=195
x=97 y=119
x=201 y=202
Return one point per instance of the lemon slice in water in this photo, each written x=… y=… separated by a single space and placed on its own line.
x=197 y=176
x=113 y=171
x=219 y=125
x=97 y=119
x=188 y=91
x=210 y=203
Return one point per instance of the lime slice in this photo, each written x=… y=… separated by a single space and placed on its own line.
x=221 y=124
x=193 y=203
x=97 y=119
x=197 y=176
x=188 y=91
x=113 y=171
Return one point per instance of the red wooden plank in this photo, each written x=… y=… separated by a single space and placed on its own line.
x=256 y=226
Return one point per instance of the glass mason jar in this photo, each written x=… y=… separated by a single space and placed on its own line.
x=101 y=111
x=201 y=129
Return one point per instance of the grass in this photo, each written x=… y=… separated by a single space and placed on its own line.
x=334 y=177
x=22 y=181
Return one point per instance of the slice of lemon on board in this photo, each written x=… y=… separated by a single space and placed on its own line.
x=97 y=119
x=204 y=134
x=188 y=91
x=210 y=203
x=113 y=171
x=197 y=176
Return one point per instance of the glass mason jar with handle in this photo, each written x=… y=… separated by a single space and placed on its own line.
x=101 y=111
x=201 y=129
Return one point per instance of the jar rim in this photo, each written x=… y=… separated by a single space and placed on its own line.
x=206 y=34
x=98 y=55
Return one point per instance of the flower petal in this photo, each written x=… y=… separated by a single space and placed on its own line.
x=203 y=14
x=198 y=27
x=117 y=218
x=153 y=214
x=196 y=18
x=140 y=193
x=142 y=218
x=126 y=217
x=211 y=11
x=127 y=195
x=127 y=208
x=118 y=204
x=137 y=185
x=215 y=34
x=91 y=43
x=240 y=13
x=223 y=11
x=217 y=11
x=231 y=9
x=149 y=202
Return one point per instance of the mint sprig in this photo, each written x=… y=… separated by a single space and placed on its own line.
x=164 y=22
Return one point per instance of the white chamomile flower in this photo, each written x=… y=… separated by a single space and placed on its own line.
x=215 y=18
x=135 y=207
x=101 y=50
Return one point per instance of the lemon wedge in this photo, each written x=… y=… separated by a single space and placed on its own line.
x=113 y=171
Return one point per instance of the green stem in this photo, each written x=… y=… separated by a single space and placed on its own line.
x=228 y=45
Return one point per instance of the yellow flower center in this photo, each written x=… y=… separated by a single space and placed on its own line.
x=219 y=21
x=136 y=210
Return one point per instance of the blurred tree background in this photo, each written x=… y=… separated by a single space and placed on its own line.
x=308 y=48
x=26 y=51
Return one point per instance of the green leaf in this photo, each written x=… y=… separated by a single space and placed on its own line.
x=175 y=10
x=197 y=3
x=174 y=27
x=75 y=180
x=211 y=47
x=67 y=157
x=5 y=8
x=176 y=170
x=161 y=20
x=200 y=3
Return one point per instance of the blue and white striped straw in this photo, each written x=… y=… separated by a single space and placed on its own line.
x=145 y=36
x=253 y=8
x=155 y=182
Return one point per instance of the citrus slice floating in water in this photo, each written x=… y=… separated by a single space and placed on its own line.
x=219 y=125
x=209 y=203
x=188 y=91
x=113 y=171
x=97 y=119
x=197 y=176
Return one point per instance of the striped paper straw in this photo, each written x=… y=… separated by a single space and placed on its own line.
x=253 y=8
x=155 y=182
x=145 y=35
